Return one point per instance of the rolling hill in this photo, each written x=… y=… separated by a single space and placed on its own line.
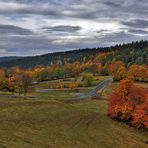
x=130 y=53
x=6 y=59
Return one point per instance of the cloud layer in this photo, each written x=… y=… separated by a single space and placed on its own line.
x=31 y=27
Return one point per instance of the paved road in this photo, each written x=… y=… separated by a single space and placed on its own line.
x=94 y=92
x=61 y=89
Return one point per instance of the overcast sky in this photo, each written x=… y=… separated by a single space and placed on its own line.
x=31 y=27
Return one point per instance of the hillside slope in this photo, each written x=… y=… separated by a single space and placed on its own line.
x=6 y=59
x=135 y=52
x=53 y=119
x=47 y=59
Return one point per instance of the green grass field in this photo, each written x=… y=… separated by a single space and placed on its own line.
x=54 y=120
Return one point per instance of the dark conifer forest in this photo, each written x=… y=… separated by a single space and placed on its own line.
x=130 y=53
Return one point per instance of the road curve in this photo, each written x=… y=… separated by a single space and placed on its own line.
x=94 y=92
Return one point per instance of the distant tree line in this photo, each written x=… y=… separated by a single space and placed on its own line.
x=131 y=53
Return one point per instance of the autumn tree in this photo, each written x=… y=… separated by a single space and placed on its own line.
x=140 y=116
x=20 y=82
x=96 y=68
x=138 y=72
x=43 y=75
x=117 y=70
x=37 y=71
x=128 y=103
x=13 y=84
x=25 y=81
x=3 y=79
x=72 y=85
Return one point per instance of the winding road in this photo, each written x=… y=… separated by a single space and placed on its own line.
x=90 y=95
x=94 y=92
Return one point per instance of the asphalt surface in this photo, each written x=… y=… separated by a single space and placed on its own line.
x=94 y=93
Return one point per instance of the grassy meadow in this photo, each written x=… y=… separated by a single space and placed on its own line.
x=53 y=119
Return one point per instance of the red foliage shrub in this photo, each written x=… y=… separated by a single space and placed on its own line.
x=72 y=85
x=140 y=116
x=129 y=103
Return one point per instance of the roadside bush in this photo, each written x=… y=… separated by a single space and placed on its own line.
x=140 y=116
x=80 y=84
x=129 y=103
x=72 y=85
x=88 y=79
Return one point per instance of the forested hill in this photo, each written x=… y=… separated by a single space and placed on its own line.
x=6 y=59
x=135 y=52
x=51 y=58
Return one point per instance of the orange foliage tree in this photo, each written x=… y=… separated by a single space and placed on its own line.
x=96 y=68
x=72 y=85
x=37 y=71
x=117 y=70
x=12 y=84
x=129 y=103
x=138 y=72
x=20 y=81
x=3 y=79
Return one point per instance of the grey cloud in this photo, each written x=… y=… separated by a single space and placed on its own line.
x=138 y=31
x=23 y=42
x=62 y=28
x=137 y=23
x=112 y=4
x=31 y=10
x=102 y=31
x=84 y=9
x=120 y=37
x=38 y=45
x=14 y=30
x=27 y=45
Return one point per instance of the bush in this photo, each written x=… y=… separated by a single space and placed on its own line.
x=72 y=85
x=129 y=103
x=88 y=79
x=80 y=84
x=140 y=116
